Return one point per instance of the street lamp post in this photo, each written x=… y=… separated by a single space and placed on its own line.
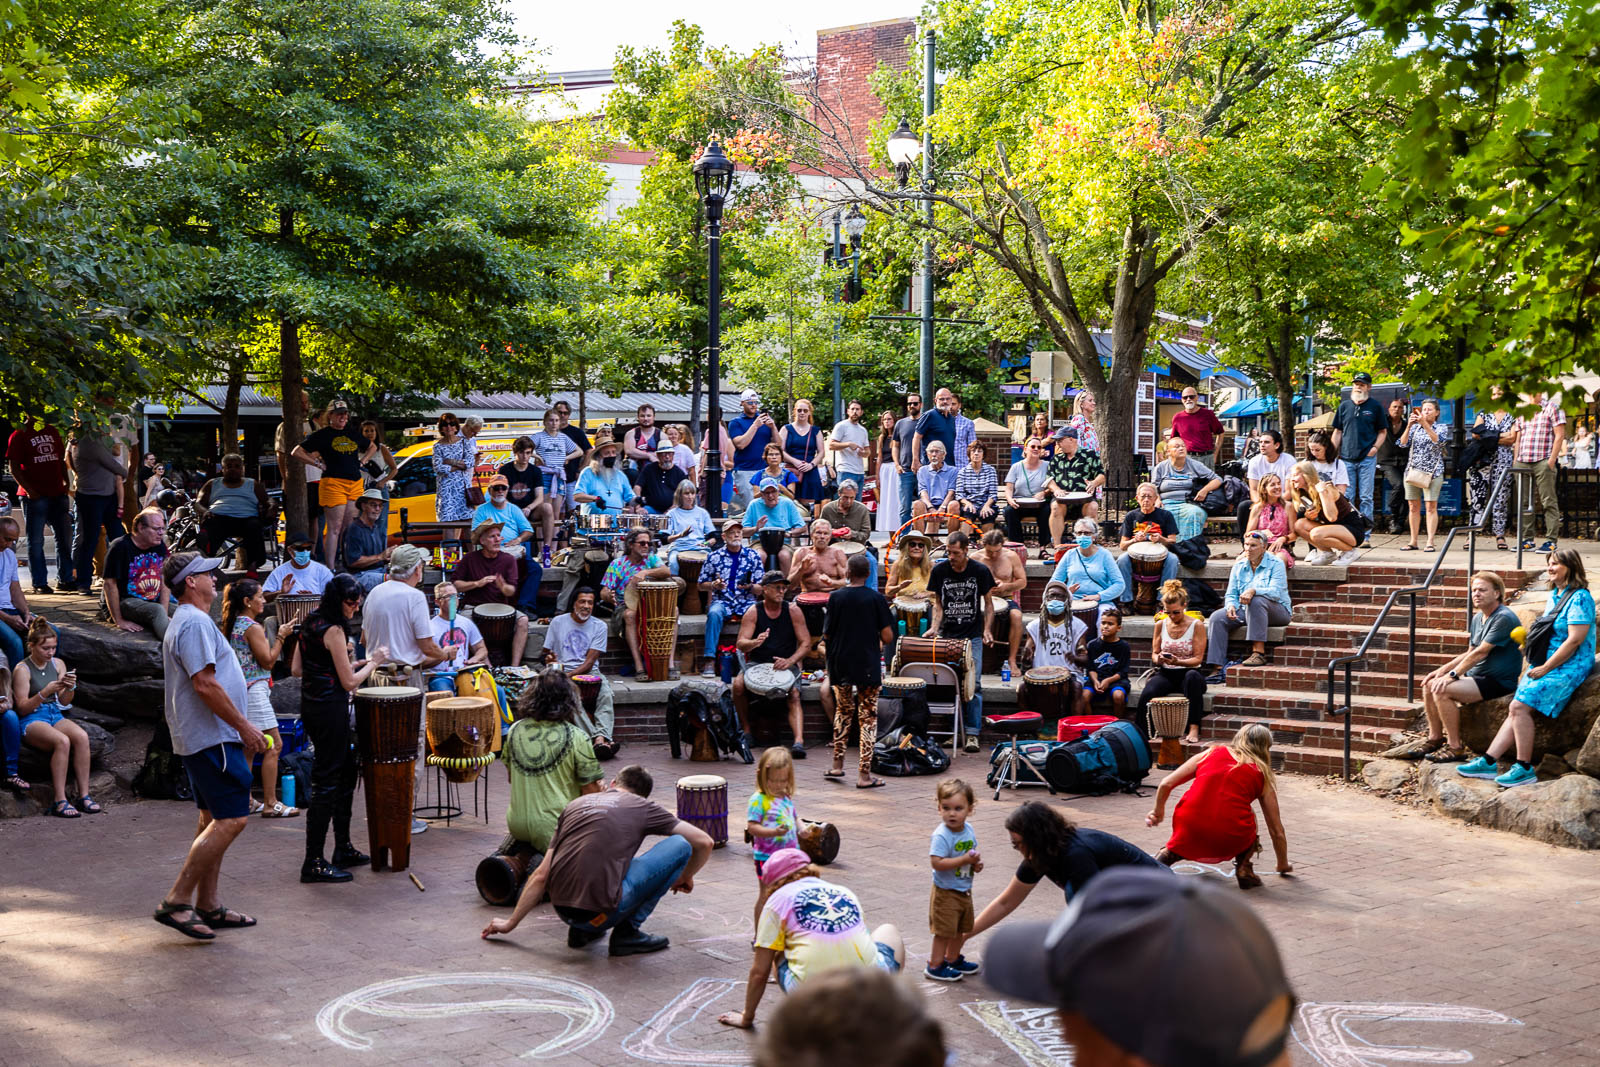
x=904 y=149
x=855 y=224
x=713 y=180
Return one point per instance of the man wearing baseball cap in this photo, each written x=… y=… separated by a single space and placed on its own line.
x=496 y=508
x=1360 y=426
x=1148 y=970
x=751 y=432
x=395 y=616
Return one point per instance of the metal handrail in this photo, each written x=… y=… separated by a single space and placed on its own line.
x=1413 y=591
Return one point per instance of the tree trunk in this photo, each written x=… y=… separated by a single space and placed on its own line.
x=1282 y=363
x=291 y=381
x=230 y=405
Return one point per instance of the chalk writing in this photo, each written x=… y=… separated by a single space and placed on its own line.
x=1328 y=1032
x=657 y=1040
x=1031 y=1032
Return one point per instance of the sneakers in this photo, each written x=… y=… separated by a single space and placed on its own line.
x=710 y=670
x=1482 y=767
x=418 y=826
x=1347 y=558
x=942 y=973
x=1517 y=775
x=972 y=744
x=1548 y=546
x=963 y=965
x=1320 y=557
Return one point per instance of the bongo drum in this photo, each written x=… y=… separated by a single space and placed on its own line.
x=459 y=733
x=294 y=607
x=498 y=624
x=658 y=625
x=500 y=876
x=1020 y=549
x=1168 y=718
x=588 y=687
x=1147 y=563
x=703 y=802
x=814 y=606
x=388 y=719
x=765 y=680
x=771 y=541
x=912 y=612
x=819 y=840
x=1047 y=690
x=1087 y=611
x=995 y=655
x=689 y=564
x=903 y=703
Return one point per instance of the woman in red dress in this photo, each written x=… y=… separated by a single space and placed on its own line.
x=1213 y=822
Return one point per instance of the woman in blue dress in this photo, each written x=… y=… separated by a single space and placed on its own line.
x=1546 y=688
x=452 y=466
x=801 y=441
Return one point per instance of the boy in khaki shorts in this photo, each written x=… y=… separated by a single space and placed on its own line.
x=953 y=855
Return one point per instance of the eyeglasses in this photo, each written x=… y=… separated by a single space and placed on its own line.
x=1190 y=396
x=449 y=422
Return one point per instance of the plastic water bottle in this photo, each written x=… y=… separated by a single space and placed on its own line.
x=544 y=558
x=1005 y=673
x=286 y=790
x=902 y=626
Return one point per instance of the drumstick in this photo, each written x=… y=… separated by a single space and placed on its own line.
x=414 y=881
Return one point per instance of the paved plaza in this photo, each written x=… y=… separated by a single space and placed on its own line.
x=1400 y=931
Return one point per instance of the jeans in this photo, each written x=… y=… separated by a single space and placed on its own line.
x=717 y=613
x=872 y=569
x=1169 y=571
x=10 y=740
x=333 y=774
x=650 y=875
x=1362 y=475
x=908 y=495
x=972 y=711
x=1255 y=617
x=851 y=476
x=370 y=578
x=11 y=644
x=57 y=512
x=94 y=514
x=528 y=593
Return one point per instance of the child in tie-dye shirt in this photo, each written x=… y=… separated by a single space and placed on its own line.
x=772 y=824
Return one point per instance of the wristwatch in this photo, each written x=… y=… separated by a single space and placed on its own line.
x=1453 y=674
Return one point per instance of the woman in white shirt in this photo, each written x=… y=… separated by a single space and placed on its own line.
x=1324 y=457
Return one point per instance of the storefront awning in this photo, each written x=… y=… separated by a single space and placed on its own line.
x=1260 y=405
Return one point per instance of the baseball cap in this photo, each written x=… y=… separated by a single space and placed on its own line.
x=499 y=479
x=783 y=863
x=339 y=405
x=732 y=522
x=770 y=483
x=198 y=565
x=405 y=559
x=1172 y=970
x=749 y=396
x=298 y=537
x=774 y=577
x=1067 y=431
x=1362 y=378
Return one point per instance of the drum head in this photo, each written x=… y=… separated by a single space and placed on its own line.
x=1090 y=604
x=461 y=703
x=1147 y=551
x=905 y=603
x=767 y=680
x=595 y=678
x=492 y=611
x=389 y=692
x=1000 y=604
x=687 y=556
x=702 y=781
x=904 y=683
x=812 y=598
x=1079 y=498
x=853 y=548
x=1049 y=675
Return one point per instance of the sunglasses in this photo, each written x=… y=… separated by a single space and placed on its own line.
x=449 y=422
x=1190 y=396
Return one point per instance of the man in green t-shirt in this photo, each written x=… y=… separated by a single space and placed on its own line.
x=549 y=758
x=1489 y=668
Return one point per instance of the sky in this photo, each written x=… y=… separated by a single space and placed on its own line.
x=580 y=37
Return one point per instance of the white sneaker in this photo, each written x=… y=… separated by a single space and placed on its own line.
x=1347 y=558
x=1320 y=557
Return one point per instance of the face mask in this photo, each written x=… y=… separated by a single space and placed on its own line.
x=608 y=461
x=1085 y=542
x=302 y=556
x=450 y=608
x=1056 y=607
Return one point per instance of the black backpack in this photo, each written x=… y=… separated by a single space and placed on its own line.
x=900 y=754
x=1113 y=759
x=1202 y=596
x=162 y=775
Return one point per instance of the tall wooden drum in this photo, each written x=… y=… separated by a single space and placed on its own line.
x=658 y=625
x=703 y=802
x=689 y=564
x=1169 y=716
x=498 y=624
x=388 y=720
x=1148 y=559
x=814 y=606
x=914 y=613
x=1047 y=690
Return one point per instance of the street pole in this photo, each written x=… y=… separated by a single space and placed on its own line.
x=713 y=177
x=925 y=373
x=838 y=298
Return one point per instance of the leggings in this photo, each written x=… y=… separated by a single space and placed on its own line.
x=862 y=702
x=1168 y=681
x=333 y=775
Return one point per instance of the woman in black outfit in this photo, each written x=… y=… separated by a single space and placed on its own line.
x=327 y=680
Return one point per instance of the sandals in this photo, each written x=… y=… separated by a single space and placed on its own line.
x=279 y=810
x=190 y=927
x=1446 y=754
x=87 y=806
x=876 y=783
x=18 y=784
x=1255 y=659
x=1430 y=548
x=1408 y=548
x=61 y=809
x=223 y=919
x=255 y=807
x=835 y=775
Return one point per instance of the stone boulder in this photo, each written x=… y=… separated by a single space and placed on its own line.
x=138 y=698
x=1563 y=812
x=1387 y=775
x=34 y=765
x=101 y=654
x=286 y=698
x=1481 y=721
x=1587 y=759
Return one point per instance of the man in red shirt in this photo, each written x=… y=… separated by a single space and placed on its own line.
x=489 y=576
x=38 y=458
x=1198 y=426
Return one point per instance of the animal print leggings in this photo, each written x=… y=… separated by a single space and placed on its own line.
x=862 y=702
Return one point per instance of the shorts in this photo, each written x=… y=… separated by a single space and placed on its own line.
x=949 y=912
x=258 y=706
x=332 y=492
x=221 y=779
x=48 y=713
x=1488 y=688
x=1120 y=687
x=885 y=961
x=1430 y=492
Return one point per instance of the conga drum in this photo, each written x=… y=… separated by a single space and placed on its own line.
x=498 y=624
x=460 y=735
x=388 y=720
x=1087 y=611
x=500 y=876
x=689 y=564
x=703 y=802
x=1169 y=716
x=914 y=613
x=995 y=655
x=814 y=606
x=658 y=625
x=1047 y=690
x=955 y=652
x=1148 y=560
x=903 y=702
x=819 y=840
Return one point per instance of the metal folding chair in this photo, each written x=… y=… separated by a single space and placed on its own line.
x=944 y=677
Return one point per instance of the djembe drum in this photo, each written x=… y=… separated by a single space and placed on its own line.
x=1148 y=560
x=763 y=681
x=1047 y=690
x=500 y=877
x=1020 y=550
x=461 y=732
x=912 y=612
x=703 y=802
x=903 y=702
x=658 y=625
x=814 y=607
x=588 y=687
x=1087 y=611
x=819 y=840
x=498 y=624
x=689 y=564
x=1168 y=718
x=996 y=654
x=388 y=720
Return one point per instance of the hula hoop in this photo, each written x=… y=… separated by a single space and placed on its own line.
x=943 y=516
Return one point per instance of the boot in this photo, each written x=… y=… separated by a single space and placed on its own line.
x=629 y=940
x=1244 y=872
x=317 y=869
x=347 y=855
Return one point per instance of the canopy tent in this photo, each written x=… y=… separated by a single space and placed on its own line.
x=1317 y=422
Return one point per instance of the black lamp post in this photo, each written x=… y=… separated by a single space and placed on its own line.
x=713 y=180
x=855 y=224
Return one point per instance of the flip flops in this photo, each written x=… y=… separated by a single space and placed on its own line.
x=876 y=783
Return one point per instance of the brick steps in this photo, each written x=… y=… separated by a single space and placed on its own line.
x=1335 y=638
x=1308 y=680
x=1326 y=734
x=1431 y=615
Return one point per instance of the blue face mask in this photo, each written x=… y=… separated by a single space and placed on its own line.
x=1085 y=542
x=302 y=556
x=1056 y=607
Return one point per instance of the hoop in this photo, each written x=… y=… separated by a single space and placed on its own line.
x=945 y=516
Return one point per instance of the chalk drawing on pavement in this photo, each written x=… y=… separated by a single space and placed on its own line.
x=1033 y=1033
x=657 y=1040
x=1328 y=1032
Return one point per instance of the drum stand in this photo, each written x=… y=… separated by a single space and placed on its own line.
x=1011 y=758
x=446 y=796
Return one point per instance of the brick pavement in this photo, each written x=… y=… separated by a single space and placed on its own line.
x=1385 y=906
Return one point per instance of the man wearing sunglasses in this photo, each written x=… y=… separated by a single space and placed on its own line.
x=1198 y=426
x=620 y=588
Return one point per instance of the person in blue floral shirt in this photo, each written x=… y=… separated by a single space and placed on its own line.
x=637 y=563
x=729 y=575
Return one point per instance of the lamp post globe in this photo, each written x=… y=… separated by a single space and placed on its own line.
x=713 y=180
x=904 y=146
x=855 y=223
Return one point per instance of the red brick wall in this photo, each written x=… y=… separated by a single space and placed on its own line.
x=846 y=57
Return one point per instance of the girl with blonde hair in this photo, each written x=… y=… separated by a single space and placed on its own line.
x=1214 y=821
x=1178 y=651
x=1325 y=517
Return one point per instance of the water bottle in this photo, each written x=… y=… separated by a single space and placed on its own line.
x=1005 y=673
x=544 y=558
x=286 y=790
x=902 y=626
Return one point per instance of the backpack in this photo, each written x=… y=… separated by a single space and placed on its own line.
x=901 y=754
x=162 y=775
x=298 y=764
x=1193 y=553
x=1032 y=770
x=1113 y=759
x=1202 y=596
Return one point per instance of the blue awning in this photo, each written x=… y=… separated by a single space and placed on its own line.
x=1260 y=405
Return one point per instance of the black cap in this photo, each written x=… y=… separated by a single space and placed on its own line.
x=1169 y=969
x=298 y=537
x=1361 y=378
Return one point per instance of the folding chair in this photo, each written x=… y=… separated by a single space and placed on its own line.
x=941 y=679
